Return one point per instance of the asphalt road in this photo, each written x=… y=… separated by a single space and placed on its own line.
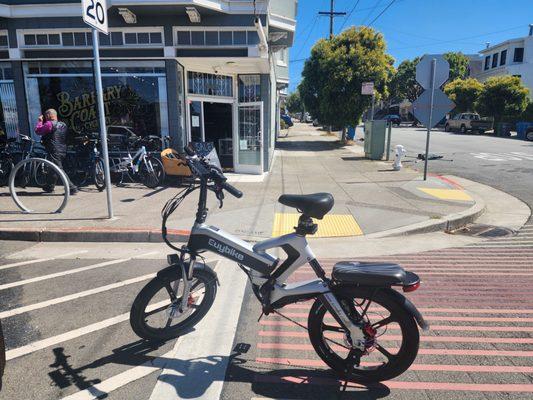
x=503 y=163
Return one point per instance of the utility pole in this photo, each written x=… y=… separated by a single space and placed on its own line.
x=332 y=14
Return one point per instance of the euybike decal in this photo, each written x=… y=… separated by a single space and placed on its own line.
x=204 y=242
x=225 y=249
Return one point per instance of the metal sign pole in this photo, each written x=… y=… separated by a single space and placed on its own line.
x=433 y=69
x=372 y=109
x=101 y=115
x=389 y=134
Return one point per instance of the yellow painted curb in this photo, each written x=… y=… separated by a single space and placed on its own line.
x=329 y=226
x=447 y=194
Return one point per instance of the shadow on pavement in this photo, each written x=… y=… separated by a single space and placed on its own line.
x=296 y=383
x=308 y=145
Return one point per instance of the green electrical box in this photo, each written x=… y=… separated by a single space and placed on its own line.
x=375 y=132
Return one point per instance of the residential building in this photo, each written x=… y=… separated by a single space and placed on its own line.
x=512 y=57
x=196 y=71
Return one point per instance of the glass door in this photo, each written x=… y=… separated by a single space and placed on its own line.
x=196 y=121
x=249 y=157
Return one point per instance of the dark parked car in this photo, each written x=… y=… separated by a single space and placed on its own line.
x=287 y=119
x=395 y=119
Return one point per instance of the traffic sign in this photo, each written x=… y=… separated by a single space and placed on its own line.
x=367 y=88
x=441 y=106
x=95 y=14
x=423 y=71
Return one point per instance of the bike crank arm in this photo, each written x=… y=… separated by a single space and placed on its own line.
x=334 y=307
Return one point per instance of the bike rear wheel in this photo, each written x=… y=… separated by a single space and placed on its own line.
x=155 y=312
x=99 y=175
x=379 y=312
x=151 y=172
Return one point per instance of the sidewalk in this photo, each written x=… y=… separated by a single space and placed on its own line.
x=370 y=199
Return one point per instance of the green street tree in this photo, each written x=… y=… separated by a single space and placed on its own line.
x=464 y=93
x=458 y=65
x=335 y=71
x=502 y=96
x=403 y=84
x=294 y=102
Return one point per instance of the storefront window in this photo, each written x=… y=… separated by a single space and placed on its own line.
x=210 y=84
x=8 y=104
x=249 y=88
x=135 y=96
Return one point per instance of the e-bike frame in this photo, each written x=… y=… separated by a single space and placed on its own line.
x=264 y=270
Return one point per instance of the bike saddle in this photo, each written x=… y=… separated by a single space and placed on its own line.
x=314 y=205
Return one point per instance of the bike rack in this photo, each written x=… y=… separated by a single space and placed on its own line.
x=56 y=169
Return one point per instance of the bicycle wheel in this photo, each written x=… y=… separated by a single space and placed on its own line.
x=155 y=313
x=151 y=172
x=40 y=174
x=99 y=176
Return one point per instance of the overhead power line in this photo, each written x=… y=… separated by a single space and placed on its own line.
x=382 y=12
x=350 y=14
x=370 y=11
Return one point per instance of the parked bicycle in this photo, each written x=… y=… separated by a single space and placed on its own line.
x=141 y=166
x=351 y=309
x=16 y=151
x=83 y=163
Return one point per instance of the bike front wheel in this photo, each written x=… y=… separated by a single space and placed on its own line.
x=384 y=357
x=155 y=313
x=99 y=175
x=151 y=172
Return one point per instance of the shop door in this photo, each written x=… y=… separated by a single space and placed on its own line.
x=218 y=129
x=250 y=139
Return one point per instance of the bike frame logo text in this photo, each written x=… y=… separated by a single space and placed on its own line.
x=225 y=249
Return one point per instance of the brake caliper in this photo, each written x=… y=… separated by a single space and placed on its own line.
x=370 y=334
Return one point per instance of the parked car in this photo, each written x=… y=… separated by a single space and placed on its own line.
x=524 y=130
x=465 y=122
x=393 y=118
x=287 y=119
x=307 y=117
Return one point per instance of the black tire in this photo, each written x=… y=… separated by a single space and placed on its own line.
x=39 y=174
x=346 y=365
x=529 y=136
x=154 y=177
x=99 y=174
x=462 y=129
x=446 y=128
x=204 y=285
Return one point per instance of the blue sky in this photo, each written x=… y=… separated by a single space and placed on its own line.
x=415 y=27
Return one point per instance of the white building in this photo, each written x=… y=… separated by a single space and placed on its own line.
x=512 y=57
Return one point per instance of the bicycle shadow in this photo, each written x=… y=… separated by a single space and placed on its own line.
x=296 y=383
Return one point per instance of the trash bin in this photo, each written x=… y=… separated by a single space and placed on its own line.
x=503 y=129
x=351 y=133
x=375 y=132
x=522 y=128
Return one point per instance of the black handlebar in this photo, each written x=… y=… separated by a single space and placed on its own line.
x=232 y=190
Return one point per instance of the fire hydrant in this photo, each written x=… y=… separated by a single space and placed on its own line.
x=399 y=151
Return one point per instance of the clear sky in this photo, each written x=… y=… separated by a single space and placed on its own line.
x=414 y=27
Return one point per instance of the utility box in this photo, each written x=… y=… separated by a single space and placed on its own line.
x=375 y=132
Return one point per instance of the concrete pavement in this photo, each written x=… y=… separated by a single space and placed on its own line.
x=370 y=198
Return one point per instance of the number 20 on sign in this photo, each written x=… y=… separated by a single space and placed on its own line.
x=95 y=14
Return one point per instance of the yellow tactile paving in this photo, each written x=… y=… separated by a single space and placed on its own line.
x=447 y=194
x=329 y=226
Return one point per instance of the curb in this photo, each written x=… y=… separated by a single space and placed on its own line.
x=92 y=235
x=446 y=224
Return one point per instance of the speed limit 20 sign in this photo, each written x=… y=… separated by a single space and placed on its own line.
x=95 y=14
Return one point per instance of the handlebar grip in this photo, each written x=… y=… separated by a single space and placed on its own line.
x=190 y=152
x=232 y=190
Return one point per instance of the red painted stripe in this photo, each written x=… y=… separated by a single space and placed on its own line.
x=447 y=386
x=443 y=352
x=466 y=328
x=442 y=318
x=512 y=369
x=441 y=339
x=307 y=306
x=448 y=181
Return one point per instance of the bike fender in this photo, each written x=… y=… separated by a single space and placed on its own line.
x=409 y=307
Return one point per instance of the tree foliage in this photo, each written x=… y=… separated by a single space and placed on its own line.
x=458 y=65
x=294 y=102
x=403 y=84
x=503 y=96
x=335 y=71
x=464 y=93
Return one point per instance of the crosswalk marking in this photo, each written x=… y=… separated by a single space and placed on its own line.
x=51 y=341
x=41 y=260
x=68 y=272
x=74 y=296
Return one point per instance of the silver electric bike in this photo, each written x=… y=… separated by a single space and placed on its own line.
x=350 y=312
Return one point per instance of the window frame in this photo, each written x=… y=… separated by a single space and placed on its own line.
x=521 y=55
x=503 y=57
x=486 y=66
x=495 y=59
x=184 y=30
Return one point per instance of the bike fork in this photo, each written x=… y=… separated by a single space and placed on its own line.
x=187 y=283
x=334 y=307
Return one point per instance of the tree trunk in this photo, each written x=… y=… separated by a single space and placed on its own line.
x=343 y=137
